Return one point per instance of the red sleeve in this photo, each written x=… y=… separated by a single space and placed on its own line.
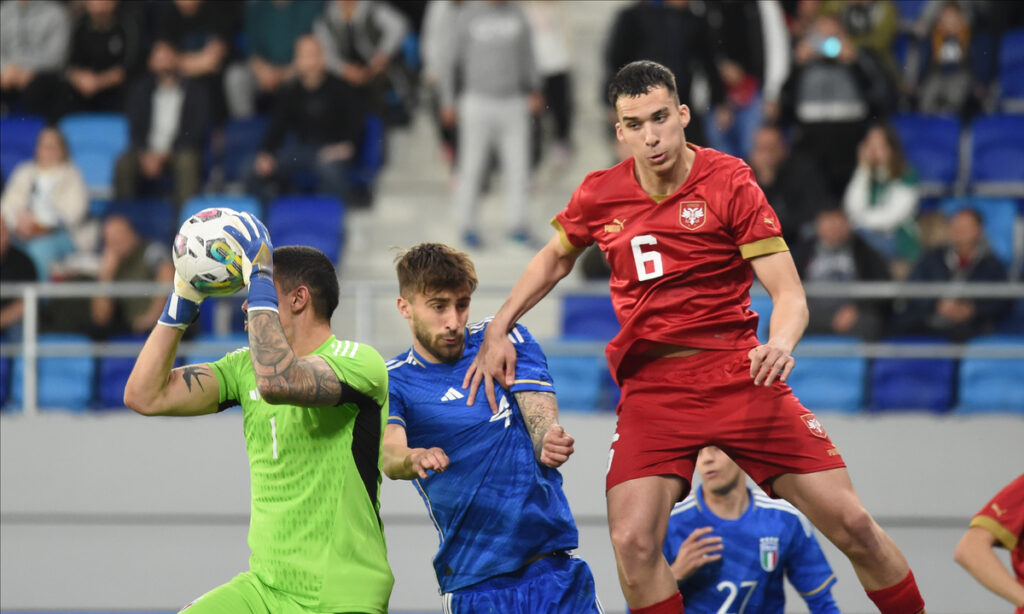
x=571 y=224
x=1003 y=516
x=754 y=224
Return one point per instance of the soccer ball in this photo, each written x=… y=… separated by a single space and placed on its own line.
x=207 y=257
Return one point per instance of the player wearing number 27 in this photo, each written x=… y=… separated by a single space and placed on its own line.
x=314 y=408
x=684 y=229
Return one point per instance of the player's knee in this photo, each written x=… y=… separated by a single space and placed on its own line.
x=859 y=533
x=634 y=544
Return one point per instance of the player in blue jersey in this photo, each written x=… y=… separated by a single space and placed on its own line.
x=489 y=480
x=729 y=547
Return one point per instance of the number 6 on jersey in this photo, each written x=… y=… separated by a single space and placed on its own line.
x=641 y=258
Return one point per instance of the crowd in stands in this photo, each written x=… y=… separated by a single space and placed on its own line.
x=862 y=121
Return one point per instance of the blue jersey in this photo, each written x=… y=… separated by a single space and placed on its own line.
x=769 y=539
x=495 y=506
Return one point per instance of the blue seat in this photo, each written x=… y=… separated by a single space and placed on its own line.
x=829 y=382
x=588 y=318
x=240 y=203
x=999 y=216
x=932 y=145
x=912 y=383
x=154 y=218
x=369 y=158
x=18 y=135
x=63 y=382
x=991 y=384
x=208 y=313
x=997 y=155
x=762 y=306
x=234 y=340
x=577 y=381
x=1011 y=71
x=910 y=10
x=114 y=372
x=242 y=139
x=1014 y=323
x=96 y=140
x=5 y=380
x=314 y=220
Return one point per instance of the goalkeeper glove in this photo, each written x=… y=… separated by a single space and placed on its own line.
x=258 y=261
x=182 y=307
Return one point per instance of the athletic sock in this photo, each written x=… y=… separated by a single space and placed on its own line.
x=672 y=605
x=900 y=598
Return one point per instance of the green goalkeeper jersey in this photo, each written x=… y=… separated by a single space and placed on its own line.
x=315 y=530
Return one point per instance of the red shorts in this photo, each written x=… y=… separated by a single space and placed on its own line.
x=672 y=407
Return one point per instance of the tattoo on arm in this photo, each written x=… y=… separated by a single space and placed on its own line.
x=540 y=411
x=283 y=376
x=194 y=372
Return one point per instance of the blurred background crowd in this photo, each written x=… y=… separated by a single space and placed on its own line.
x=888 y=135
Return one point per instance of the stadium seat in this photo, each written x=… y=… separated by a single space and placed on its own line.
x=63 y=382
x=228 y=307
x=997 y=155
x=18 y=136
x=95 y=141
x=577 y=381
x=5 y=380
x=1014 y=323
x=761 y=304
x=114 y=372
x=314 y=220
x=999 y=216
x=833 y=383
x=912 y=383
x=909 y=11
x=242 y=139
x=154 y=218
x=932 y=145
x=588 y=318
x=240 y=203
x=369 y=158
x=233 y=340
x=991 y=384
x=1011 y=71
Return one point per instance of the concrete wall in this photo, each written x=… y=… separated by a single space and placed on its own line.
x=117 y=511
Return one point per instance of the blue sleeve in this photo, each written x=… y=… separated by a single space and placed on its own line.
x=531 y=364
x=808 y=570
x=396 y=409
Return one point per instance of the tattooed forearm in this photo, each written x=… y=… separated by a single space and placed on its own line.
x=281 y=376
x=193 y=373
x=540 y=411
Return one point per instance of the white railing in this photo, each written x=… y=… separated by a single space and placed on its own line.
x=363 y=295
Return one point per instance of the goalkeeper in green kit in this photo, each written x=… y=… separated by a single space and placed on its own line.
x=314 y=408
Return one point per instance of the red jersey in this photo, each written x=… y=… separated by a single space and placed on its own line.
x=1003 y=517
x=679 y=266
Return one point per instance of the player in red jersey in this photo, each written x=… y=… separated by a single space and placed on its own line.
x=999 y=523
x=684 y=229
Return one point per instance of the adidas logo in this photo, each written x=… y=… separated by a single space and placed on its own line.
x=452 y=395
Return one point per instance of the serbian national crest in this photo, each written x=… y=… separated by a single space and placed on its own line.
x=814 y=426
x=769 y=553
x=692 y=214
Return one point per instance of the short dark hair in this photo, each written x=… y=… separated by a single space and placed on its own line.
x=301 y=265
x=971 y=211
x=434 y=267
x=639 y=77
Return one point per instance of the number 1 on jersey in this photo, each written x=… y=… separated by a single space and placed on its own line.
x=641 y=258
x=273 y=434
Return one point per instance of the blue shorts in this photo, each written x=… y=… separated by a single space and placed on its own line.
x=557 y=584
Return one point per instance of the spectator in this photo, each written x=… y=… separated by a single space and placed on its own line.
x=271 y=29
x=492 y=52
x=362 y=39
x=168 y=120
x=15 y=266
x=201 y=31
x=551 y=54
x=967 y=258
x=105 y=48
x=126 y=256
x=33 y=50
x=434 y=47
x=314 y=128
x=46 y=204
x=673 y=33
x=833 y=90
x=948 y=85
x=836 y=254
x=872 y=27
x=881 y=198
x=752 y=58
x=790 y=182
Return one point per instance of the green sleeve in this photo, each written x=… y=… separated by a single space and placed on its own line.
x=360 y=368
x=229 y=373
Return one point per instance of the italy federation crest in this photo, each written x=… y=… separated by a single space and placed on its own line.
x=769 y=553
x=692 y=214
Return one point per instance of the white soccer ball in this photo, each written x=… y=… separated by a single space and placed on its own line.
x=207 y=257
